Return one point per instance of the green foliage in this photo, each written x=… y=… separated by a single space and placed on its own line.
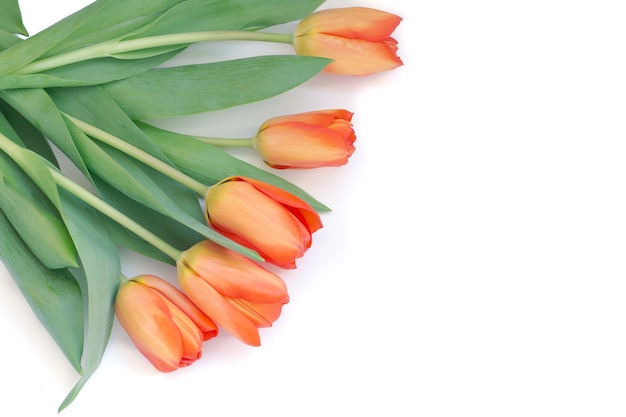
x=99 y=277
x=53 y=294
x=11 y=17
x=190 y=89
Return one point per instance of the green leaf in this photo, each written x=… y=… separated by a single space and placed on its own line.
x=86 y=73
x=210 y=164
x=54 y=295
x=34 y=47
x=26 y=133
x=11 y=17
x=163 y=226
x=112 y=20
x=203 y=15
x=99 y=278
x=190 y=89
x=33 y=215
x=39 y=225
x=36 y=106
x=8 y=40
x=90 y=104
x=37 y=168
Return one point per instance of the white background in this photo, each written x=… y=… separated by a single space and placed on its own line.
x=474 y=263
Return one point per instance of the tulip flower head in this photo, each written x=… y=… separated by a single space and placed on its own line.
x=357 y=38
x=307 y=140
x=167 y=328
x=237 y=293
x=262 y=217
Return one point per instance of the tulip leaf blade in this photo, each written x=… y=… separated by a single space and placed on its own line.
x=24 y=133
x=8 y=40
x=192 y=89
x=11 y=17
x=39 y=225
x=31 y=213
x=203 y=15
x=37 y=45
x=99 y=277
x=85 y=73
x=161 y=225
x=53 y=294
x=36 y=106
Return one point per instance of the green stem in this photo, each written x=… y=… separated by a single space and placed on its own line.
x=111 y=48
x=227 y=142
x=10 y=148
x=114 y=214
x=139 y=154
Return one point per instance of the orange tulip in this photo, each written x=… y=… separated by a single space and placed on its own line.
x=307 y=140
x=167 y=328
x=237 y=293
x=262 y=217
x=357 y=38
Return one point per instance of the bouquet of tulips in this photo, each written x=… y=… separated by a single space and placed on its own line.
x=87 y=87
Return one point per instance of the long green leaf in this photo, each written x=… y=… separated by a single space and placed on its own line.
x=85 y=73
x=32 y=214
x=24 y=133
x=8 y=40
x=36 y=106
x=38 y=169
x=203 y=15
x=54 y=295
x=24 y=52
x=90 y=104
x=99 y=279
x=39 y=225
x=178 y=91
x=114 y=19
x=11 y=17
x=161 y=225
x=209 y=164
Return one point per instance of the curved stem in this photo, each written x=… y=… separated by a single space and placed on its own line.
x=114 y=214
x=10 y=148
x=111 y=48
x=139 y=154
x=227 y=142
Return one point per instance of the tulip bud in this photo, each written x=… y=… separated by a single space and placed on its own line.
x=238 y=294
x=262 y=217
x=357 y=38
x=307 y=140
x=167 y=328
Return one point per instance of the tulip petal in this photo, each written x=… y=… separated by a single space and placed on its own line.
x=319 y=118
x=232 y=274
x=351 y=22
x=191 y=335
x=295 y=205
x=147 y=320
x=206 y=325
x=353 y=56
x=304 y=145
x=261 y=314
x=261 y=223
x=213 y=304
